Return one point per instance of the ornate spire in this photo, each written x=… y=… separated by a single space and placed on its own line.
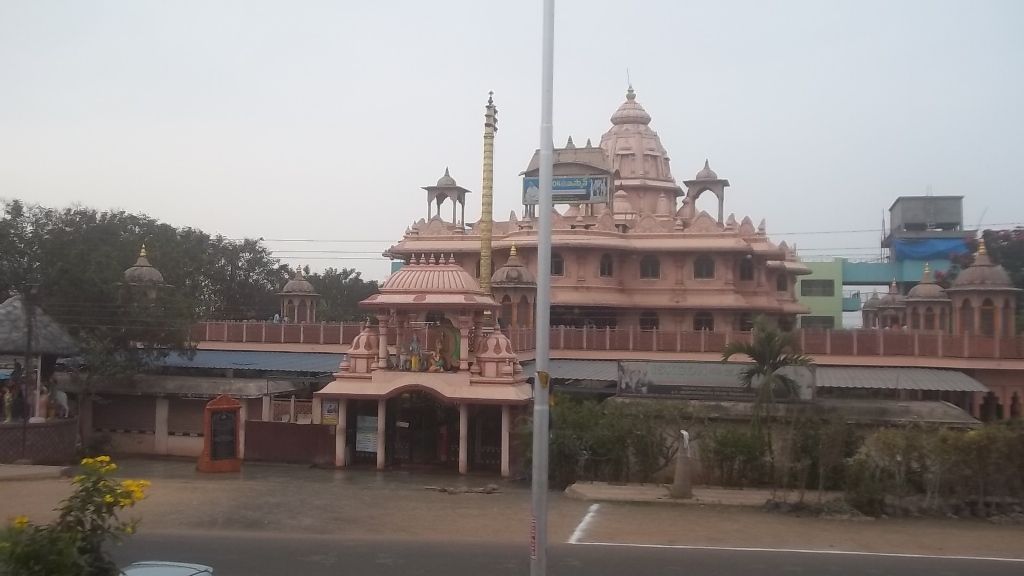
x=569 y=144
x=630 y=94
x=982 y=250
x=927 y=276
x=512 y=251
x=142 y=253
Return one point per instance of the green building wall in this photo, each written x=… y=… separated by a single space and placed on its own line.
x=813 y=292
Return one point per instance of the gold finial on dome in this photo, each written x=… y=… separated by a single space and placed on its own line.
x=982 y=250
x=927 y=268
x=630 y=94
x=512 y=252
x=142 y=253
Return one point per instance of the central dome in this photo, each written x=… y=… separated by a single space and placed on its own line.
x=983 y=274
x=635 y=150
x=143 y=273
x=298 y=285
x=436 y=278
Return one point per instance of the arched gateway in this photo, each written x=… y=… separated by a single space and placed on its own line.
x=433 y=381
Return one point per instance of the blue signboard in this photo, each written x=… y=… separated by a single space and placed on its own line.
x=569 y=190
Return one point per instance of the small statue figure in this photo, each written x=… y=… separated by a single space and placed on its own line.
x=8 y=405
x=414 y=354
x=404 y=359
x=437 y=362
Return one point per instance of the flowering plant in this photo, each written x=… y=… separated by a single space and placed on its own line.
x=88 y=520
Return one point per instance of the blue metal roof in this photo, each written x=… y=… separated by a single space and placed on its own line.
x=267 y=361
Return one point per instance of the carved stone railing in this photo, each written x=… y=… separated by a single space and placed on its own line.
x=919 y=343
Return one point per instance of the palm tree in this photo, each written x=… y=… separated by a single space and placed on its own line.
x=771 y=351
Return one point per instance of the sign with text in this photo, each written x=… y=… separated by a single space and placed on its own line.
x=366 y=434
x=569 y=190
x=698 y=380
x=329 y=411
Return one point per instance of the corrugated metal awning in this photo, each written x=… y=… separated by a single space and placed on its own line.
x=607 y=370
x=897 y=379
x=316 y=362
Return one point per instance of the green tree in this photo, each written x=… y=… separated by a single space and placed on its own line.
x=341 y=291
x=771 y=351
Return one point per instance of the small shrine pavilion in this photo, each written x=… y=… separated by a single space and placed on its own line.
x=434 y=378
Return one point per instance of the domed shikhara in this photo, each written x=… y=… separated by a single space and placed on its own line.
x=430 y=283
x=513 y=273
x=635 y=150
x=893 y=299
x=927 y=289
x=143 y=273
x=706 y=173
x=872 y=302
x=446 y=181
x=983 y=274
x=298 y=285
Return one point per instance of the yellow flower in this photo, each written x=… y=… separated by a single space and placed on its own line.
x=78 y=479
x=108 y=499
x=103 y=459
x=88 y=461
x=109 y=468
x=20 y=522
x=124 y=502
x=129 y=529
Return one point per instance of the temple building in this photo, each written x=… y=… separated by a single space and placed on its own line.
x=629 y=248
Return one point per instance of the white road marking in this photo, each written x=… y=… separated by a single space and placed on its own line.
x=581 y=530
x=574 y=540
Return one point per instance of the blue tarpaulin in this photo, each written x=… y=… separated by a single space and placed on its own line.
x=933 y=249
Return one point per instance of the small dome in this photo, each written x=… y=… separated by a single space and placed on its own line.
x=496 y=346
x=298 y=285
x=872 y=302
x=706 y=173
x=446 y=181
x=620 y=203
x=927 y=289
x=365 y=343
x=983 y=274
x=893 y=299
x=631 y=112
x=143 y=272
x=513 y=272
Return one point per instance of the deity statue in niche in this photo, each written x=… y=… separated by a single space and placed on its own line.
x=414 y=354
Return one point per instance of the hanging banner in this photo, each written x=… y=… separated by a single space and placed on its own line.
x=329 y=411
x=569 y=190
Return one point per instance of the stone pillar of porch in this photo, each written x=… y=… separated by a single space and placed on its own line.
x=317 y=407
x=464 y=325
x=268 y=408
x=506 y=425
x=382 y=406
x=463 y=438
x=341 y=434
x=382 y=331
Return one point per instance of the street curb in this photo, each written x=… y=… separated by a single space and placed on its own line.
x=15 y=472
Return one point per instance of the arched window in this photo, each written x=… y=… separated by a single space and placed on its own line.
x=988 y=318
x=747 y=269
x=506 y=309
x=703 y=321
x=607 y=266
x=524 y=316
x=943 y=323
x=915 y=319
x=650 y=268
x=746 y=322
x=929 y=318
x=704 y=268
x=1009 y=324
x=967 y=318
x=781 y=283
x=557 y=264
x=649 y=320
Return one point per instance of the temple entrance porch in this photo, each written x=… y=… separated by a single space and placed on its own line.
x=420 y=430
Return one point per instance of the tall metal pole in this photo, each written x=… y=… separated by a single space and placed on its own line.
x=542 y=319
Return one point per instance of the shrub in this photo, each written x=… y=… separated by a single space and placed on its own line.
x=75 y=543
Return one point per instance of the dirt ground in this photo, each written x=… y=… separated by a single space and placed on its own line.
x=366 y=504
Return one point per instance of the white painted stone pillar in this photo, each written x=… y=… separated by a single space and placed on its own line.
x=382 y=405
x=243 y=416
x=341 y=434
x=463 y=438
x=160 y=426
x=268 y=408
x=382 y=331
x=506 y=425
x=317 y=407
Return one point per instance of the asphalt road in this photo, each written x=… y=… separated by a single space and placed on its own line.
x=242 y=554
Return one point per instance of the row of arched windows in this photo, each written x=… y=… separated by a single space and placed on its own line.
x=650 y=267
x=702 y=321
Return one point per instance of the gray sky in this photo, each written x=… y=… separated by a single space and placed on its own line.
x=321 y=120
